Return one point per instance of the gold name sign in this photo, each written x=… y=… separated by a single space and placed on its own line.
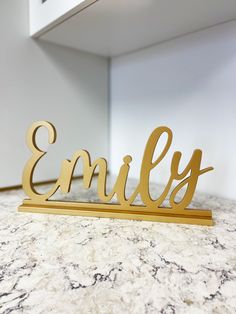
x=152 y=209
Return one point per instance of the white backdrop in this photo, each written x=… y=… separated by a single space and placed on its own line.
x=40 y=81
x=188 y=84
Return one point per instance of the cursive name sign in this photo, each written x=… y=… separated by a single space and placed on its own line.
x=152 y=209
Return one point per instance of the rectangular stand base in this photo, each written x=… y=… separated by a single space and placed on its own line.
x=132 y=212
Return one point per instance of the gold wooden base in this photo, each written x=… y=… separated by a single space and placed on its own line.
x=187 y=216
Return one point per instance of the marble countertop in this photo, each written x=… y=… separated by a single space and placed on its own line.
x=65 y=264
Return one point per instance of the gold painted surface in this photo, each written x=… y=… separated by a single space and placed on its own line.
x=151 y=210
x=38 y=183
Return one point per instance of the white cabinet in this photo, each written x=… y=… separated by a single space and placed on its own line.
x=114 y=27
x=46 y=14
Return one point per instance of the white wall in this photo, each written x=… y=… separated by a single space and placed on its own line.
x=40 y=81
x=188 y=84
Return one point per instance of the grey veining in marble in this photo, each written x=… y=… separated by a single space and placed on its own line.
x=65 y=264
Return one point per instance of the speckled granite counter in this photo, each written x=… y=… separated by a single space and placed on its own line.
x=64 y=264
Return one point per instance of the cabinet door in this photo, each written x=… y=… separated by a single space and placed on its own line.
x=45 y=14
